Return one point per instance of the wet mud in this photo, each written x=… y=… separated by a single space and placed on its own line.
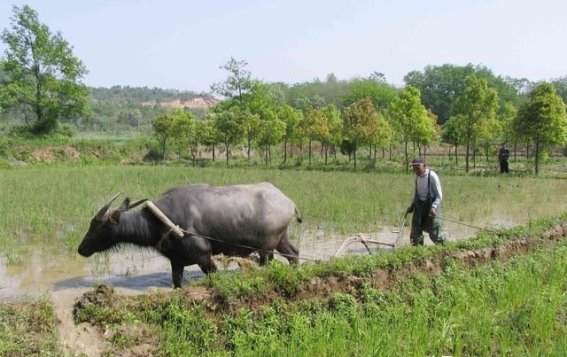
x=67 y=277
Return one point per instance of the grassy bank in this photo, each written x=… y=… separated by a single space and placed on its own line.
x=432 y=301
x=28 y=329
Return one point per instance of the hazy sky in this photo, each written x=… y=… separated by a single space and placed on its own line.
x=181 y=44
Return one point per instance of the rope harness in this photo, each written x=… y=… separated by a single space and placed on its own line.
x=181 y=233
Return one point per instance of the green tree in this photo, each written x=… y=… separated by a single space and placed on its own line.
x=238 y=83
x=560 y=85
x=184 y=130
x=379 y=92
x=252 y=128
x=453 y=132
x=333 y=137
x=261 y=104
x=314 y=127
x=479 y=104
x=441 y=86
x=317 y=93
x=506 y=116
x=291 y=117
x=426 y=131
x=542 y=119
x=360 y=122
x=41 y=74
x=228 y=125
x=207 y=133
x=409 y=118
x=272 y=130
x=164 y=129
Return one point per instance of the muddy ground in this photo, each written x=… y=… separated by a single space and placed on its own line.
x=66 y=278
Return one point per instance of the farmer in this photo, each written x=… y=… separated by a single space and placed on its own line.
x=426 y=203
x=503 y=155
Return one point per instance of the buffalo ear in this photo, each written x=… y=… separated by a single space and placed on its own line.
x=125 y=206
x=115 y=216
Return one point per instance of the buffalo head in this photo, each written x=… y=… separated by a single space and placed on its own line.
x=99 y=237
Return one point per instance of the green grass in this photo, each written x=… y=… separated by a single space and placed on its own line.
x=28 y=329
x=463 y=312
x=52 y=206
x=510 y=307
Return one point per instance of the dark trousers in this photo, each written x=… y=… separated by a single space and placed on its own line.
x=421 y=221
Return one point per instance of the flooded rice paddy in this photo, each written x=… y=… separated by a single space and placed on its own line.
x=132 y=270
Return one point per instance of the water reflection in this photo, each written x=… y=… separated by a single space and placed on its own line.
x=43 y=273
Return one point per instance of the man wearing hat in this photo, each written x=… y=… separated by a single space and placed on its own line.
x=426 y=205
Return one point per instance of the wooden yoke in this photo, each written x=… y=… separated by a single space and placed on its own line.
x=162 y=217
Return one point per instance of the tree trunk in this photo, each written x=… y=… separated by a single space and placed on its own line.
x=354 y=157
x=537 y=150
x=406 y=155
x=456 y=155
x=226 y=146
x=248 y=153
x=309 y=153
x=527 y=151
x=163 y=146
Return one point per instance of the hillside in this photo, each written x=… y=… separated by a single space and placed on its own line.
x=202 y=102
x=153 y=96
x=133 y=108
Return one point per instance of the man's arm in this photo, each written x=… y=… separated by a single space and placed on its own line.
x=436 y=187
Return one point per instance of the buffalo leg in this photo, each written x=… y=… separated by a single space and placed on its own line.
x=265 y=256
x=177 y=274
x=207 y=265
x=288 y=250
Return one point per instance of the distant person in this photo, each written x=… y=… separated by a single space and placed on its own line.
x=426 y=205
x=503 y=156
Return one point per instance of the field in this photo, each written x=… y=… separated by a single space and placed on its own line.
x=46 y=210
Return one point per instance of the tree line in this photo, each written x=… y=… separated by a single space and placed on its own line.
x=479 y=111
x=465 y=106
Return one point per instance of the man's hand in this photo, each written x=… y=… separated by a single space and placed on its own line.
x=409 y=210
x=432 y=212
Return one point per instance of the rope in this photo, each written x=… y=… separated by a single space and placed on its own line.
x=468 y=225
x=302 y=257
x=178 y=231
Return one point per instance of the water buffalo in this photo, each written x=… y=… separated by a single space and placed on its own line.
x=234 y=220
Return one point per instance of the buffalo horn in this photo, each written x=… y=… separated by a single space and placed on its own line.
x=102 y=212
x=126 y=205
x=137 y=203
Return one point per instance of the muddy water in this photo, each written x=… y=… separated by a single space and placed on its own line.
x=133 y=270
x=63 y=278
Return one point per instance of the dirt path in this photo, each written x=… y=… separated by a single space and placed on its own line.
x=76 y=339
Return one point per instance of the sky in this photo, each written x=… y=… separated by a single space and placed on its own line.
x=181 y=44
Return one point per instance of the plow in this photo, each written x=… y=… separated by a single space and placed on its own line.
x=366 y=241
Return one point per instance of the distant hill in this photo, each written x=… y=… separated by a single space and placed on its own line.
x=201 y=102
x=121 y=108
x=150 y=97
